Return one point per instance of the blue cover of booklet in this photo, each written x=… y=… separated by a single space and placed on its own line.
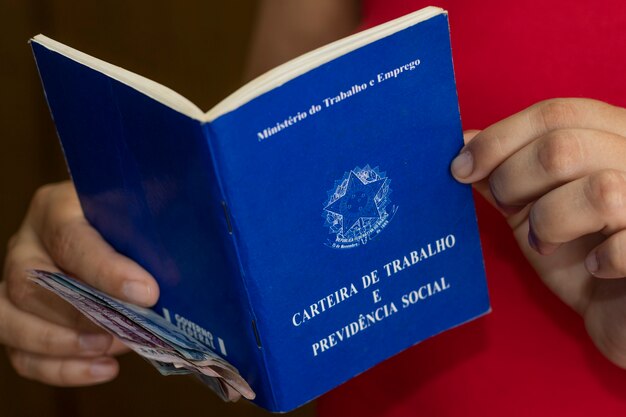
x=304 y=229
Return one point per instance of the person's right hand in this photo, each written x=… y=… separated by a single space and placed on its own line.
x=46 y=338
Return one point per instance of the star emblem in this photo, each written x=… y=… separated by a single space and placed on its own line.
x=357 y=202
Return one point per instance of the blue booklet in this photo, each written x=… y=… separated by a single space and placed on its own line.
x=304 y=229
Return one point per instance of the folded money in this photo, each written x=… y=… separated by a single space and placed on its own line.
x=164 y=345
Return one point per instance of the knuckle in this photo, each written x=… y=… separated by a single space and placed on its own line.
x=559 y=153
x=63 y=375
x=489 y=145
x=12 y=242
x=556 y=113
x=19 y=361
x=60 y=341
x=61 y=240
x=9 y=267
x=614 y=257
x=19 y=290
x=41 y=197
x=46 y=339
x=100 y=276
x=19 y=338
x=107 y=273
x=606 y=192
x=101 y=269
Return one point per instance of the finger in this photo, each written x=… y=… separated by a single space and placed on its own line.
x=30 y=333
x=563 y=272
x=117 y=348
x=25 y=254
x=556 y=158
x=80 y=250
x=65 y=372
x=469 y=134
x=481 y=186
x=608 y=260
x=484 y=190
x=595 y=203
x=498 y=142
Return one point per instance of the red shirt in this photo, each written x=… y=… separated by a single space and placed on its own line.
x=531 y=355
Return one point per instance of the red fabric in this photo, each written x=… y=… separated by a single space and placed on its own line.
x=531 y=355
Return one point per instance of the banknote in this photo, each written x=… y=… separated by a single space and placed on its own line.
x=143 y=317
x=165 y=346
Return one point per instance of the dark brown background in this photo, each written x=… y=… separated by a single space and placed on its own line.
x=197 y=48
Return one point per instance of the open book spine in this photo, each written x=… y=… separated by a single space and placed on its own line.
x=236 y=260
x=146 y=181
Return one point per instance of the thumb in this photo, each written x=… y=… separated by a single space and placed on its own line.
x=469 y=135
x=481 y=186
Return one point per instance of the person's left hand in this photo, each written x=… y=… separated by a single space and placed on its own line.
x=557 y=171
x=47 y=339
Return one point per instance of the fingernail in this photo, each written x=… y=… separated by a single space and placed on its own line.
x=136 y=292
x=541 y=247
x=506 y=209
x=463 y=165
x=94 y=342
x=102 y=368
x=591 y=262
x=532 y=240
